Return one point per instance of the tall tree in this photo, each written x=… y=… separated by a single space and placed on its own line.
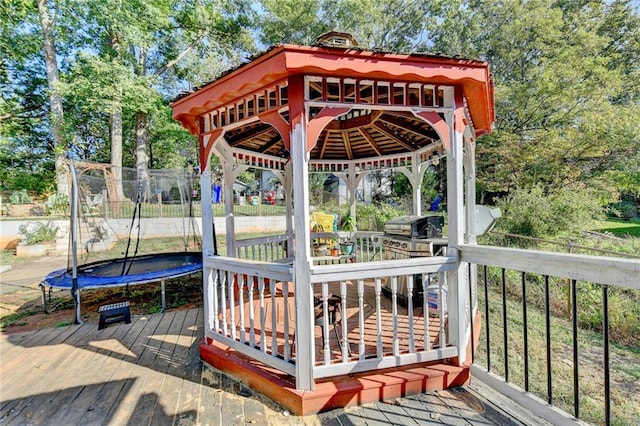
x=55 y=100
x=560 y=73
x=394 y=25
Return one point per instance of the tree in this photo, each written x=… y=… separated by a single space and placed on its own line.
x=139 y=46
x=564 y=99
x=392 y=25
x=55 y=100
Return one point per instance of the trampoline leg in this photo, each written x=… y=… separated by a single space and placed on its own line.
x=44 y=299
x=164 y=298
x=75 y=294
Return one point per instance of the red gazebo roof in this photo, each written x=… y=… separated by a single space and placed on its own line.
x=363 y=134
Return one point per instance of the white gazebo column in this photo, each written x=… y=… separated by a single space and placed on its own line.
x=229 y=174
x=351 y=180
x=287 y=185
x=207 y=231
x=206 y=142
x=457 y=285
x=305 y=356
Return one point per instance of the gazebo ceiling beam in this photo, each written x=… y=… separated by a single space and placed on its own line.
x=324 y=144
x=347 y=144
x=370 y=140
x=259 y=131
x=402 y=124
x=391 y=134
x=273 y=141
x=355 y=122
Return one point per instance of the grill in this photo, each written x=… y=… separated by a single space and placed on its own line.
x=412 y=236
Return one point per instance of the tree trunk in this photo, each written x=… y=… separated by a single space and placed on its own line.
x=115 y=127
x=55 y=100
x=142 y=160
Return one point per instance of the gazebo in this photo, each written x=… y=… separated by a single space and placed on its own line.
x=311 y=336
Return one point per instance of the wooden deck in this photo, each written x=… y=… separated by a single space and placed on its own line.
x=149 y=372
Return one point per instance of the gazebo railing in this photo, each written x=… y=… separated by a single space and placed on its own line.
x=389 y=313
x=267 y=249
x=248 y=308
x=366 y=316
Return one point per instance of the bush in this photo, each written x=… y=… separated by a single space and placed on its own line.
x=372 y=217
x=534 y=213
x=38 y=232
x=20 y=197
x=623 y=210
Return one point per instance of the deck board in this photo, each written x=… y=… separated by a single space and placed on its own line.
x=150 y=372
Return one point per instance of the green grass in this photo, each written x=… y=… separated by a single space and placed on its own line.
x=619 y=228
x=17 y=318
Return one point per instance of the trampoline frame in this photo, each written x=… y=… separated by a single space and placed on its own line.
x=62 y=278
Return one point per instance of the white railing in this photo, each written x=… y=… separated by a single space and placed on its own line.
x=266 y=249
x=381 y=322
x=366 y=315
x=242 y=310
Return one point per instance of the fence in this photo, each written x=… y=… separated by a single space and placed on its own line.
x=528 y=343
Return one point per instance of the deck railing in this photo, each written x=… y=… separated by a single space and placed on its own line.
x=533 y=340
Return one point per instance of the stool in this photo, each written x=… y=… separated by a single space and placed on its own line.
x=113 y=313
x=334 y=303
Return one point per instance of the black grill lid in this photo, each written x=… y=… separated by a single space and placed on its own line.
x=415 y=226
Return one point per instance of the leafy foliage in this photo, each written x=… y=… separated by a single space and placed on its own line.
x=20 y=197
x=38 y=232
x=534 y=213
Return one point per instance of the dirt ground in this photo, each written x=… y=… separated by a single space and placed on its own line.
x=21 y=298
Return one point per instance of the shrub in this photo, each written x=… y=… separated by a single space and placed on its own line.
x=38 y=232
x=536 y=213
x=372 y=217
x=20 y=197
x=57 y=203
x=623 y=210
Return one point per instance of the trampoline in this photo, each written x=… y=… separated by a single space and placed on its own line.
x=126 y=271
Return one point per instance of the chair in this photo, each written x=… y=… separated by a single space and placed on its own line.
x=334 y=307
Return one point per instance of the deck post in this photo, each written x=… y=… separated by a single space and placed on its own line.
x=471 y=233
x=458 y=295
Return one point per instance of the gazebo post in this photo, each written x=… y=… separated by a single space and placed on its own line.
x=229 y=178
x=288 y=197
x=305 y=354
x=455 y=207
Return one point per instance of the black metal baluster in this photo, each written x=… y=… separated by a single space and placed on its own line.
x=547 y=319
x=524 y=326
x=605 y=332
x=504 y=326
x=486 y=315
x=574 y=325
